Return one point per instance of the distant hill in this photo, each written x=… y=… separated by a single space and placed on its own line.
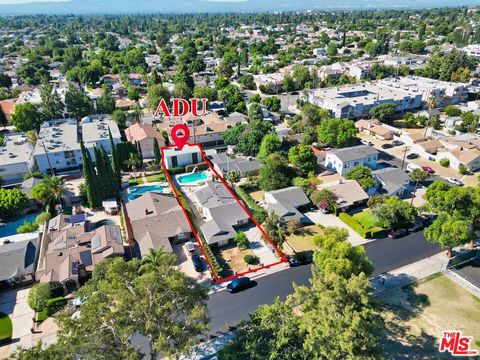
x=199 y=6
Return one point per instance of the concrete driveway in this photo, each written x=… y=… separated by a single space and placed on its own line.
x=331 y=220
x=265 y=253
x=14 y=304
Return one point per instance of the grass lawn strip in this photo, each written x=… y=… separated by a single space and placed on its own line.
x=6 y=327
x=367 y=219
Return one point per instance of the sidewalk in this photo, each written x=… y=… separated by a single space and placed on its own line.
x=410 y=273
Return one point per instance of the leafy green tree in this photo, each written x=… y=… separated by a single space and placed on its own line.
x=255 y=112
x=273 y=103
x=12 y=201
x=246 y=81
x=395 y=213
x=288 y=83
x=233 y=177
x=241 y=240
x=417 y=176
x=303 y=157
x=5 y=81
x=50 y=191
x=170 y=310
x=325 y=199
x=313 y=115
x=120 y=117
x=275 y=173
x=156 y=93
x=182 y=90
x=52 y=106
x=233 y=98
x=449 y=231
x=137 y=114
x=38 y=296
x=40 y=352
x=337 y=133
x=276 y=228
x=383 y=112
x=78 y=104
x=205 y=92
x=452 y=110
x=27 y=117
x=105 y=103
x=363 y=175
x=302 y=75
x=3 y=119
x=270 y=144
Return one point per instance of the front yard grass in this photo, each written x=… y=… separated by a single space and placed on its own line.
x=367 y=219
x=416 y=316
x=137 y=181
x=302 y=240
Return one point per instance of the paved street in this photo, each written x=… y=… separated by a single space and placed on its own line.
x=386 y=254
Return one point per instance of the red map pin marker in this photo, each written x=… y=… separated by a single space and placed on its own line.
x=180 y=134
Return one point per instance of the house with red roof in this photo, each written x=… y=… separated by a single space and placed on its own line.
x=144 y=133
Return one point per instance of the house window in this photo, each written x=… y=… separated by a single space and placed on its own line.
x=174 y=161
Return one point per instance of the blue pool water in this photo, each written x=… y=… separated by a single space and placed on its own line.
x=192 y=178
x=136 y=191
x=10 y=228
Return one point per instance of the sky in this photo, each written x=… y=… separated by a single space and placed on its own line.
x=13 y=2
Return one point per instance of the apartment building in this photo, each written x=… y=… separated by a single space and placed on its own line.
x=342 y=160
x=16 y=158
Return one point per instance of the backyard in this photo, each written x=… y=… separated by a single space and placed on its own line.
x=156 y=177
x=416 y=316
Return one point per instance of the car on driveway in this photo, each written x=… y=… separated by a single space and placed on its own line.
x=395 y=234
x=412 y=156
x=387 y=146
x=366 y=142
x=454 y=181
x=189 y=248
x=416 y=226
x=397 y=143
x=428 y=170
x=197 y=263
x=293 y=261
x=239 y=284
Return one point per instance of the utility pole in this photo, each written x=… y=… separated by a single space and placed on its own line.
x=404 y=155
x=48 y=159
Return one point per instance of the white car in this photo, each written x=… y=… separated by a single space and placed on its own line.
x=189 y=248
x=366 y=142
x=454 y=181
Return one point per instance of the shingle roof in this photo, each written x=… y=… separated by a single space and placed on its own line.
x=355 y=153
x=18 y=258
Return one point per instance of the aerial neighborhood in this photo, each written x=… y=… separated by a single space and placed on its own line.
x=337 y=151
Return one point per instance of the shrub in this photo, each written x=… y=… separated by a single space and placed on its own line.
x=241 y=240
x=27 y=227
x=250 y=259
x=462 y=169
x=445 y=162
x=259 y=213
x=55 y=304
x=176 y=170
x=38 y=296
x=354 y=224
x=6 y=327
x=42 y=218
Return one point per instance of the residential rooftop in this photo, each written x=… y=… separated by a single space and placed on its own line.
x=15 y=149
x=58 y=136
x=355 y=153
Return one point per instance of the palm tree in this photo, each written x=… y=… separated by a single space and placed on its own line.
x=132 y=162
x=137 y=113
x=156 y=258
x=431 y=103
x=417 y=175
x=50 y=191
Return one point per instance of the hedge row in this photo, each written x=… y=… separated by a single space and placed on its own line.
x=176 y=170
x=364 y=232
x=259 y=213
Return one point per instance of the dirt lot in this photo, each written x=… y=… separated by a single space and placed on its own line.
x=257 y=196
x=231 y=259
x=416 y=316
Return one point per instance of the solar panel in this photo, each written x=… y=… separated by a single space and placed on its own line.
x=77 y=218
x=86 y=257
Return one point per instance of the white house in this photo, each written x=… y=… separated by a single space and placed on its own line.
x=16 y=158
x=342 y=160
x=189 y=155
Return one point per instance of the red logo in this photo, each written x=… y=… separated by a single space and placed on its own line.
x=182 y=107
x=456 y=344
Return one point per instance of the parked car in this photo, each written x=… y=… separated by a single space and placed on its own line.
x=412 y=156
x=293 y=261
x=416 y=226
x=411 y=167
x=197 y=263
x=428 y=220
x=397 y=143
x=428 y=170
x=454 y=181
x=189 y=248
x=239 y=284
x=395 y=234
x=366 y=142
x=387 y=146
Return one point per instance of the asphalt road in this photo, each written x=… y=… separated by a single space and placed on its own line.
x=386 y=254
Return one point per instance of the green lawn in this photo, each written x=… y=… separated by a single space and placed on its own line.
x=367 y=219
x=156 y=177
x=5 y=327
x=133 y=182
x=303 y=239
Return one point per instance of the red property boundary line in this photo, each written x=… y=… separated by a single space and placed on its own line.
x=283 y=259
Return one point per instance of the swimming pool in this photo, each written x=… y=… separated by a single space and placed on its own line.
x=192 y=177
x=10 y=228
x=136 y=191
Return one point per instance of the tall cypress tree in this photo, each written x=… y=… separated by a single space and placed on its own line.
x=111 y=181
x=139 y=150
x=101 y=181
x=156 y=151
x=89 y=174
x=115 y=164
